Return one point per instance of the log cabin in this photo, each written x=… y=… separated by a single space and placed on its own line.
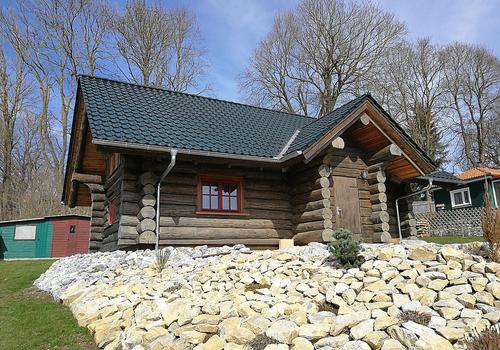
x=170 y=168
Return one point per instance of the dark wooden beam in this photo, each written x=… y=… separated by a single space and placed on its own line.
x=385 y=154
x=87 y=178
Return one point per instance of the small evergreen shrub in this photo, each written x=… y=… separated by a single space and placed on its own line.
x=161 y=259
x=488 y=339
x=415 y=316
x=345 y=248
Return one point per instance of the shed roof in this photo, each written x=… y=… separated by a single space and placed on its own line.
x=62 y=216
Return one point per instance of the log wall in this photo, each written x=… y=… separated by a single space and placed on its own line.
x=310 y=192
x=266 y=210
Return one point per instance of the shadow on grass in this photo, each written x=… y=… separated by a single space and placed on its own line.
x=30 y=319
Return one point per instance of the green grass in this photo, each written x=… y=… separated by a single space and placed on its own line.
x=452 y=239
x=32 y=320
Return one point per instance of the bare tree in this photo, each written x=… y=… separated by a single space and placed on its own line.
x=160 y=47
x=410 y=87
x=472 y=78
x=14 y=90
x=318 y=53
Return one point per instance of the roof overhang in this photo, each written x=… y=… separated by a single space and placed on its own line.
x=386 y=126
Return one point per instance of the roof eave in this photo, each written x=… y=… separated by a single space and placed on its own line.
x=163 y=149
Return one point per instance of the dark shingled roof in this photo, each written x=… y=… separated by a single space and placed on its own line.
x=130 y=113
x=444 y=176
x=312 y=132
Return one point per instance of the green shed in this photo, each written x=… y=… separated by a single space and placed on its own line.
x=36 y=238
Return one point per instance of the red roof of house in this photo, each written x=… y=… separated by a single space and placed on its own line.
x=479 y=172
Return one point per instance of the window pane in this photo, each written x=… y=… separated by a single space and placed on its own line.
x=466 y=197
x=234 y=203
x=225 y=203
x=206 y=202
x=225 y=190
x=205 y=188
x=234 y=190
x=214 y=189
x=458 y=198
x=214 y=202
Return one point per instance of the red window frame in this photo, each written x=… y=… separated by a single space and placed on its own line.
x=219 y=183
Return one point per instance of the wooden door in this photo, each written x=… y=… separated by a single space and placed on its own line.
x=346 y=199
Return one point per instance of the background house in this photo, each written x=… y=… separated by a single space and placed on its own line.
x=469 y=189
x=50 y=236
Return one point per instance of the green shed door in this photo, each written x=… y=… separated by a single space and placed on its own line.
x=43 y=240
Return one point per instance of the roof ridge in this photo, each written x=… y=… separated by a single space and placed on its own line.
x=194 y=95
x=359 y=98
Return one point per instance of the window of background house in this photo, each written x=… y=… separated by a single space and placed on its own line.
x=496 y=192
x=219 y=195
x=460 y=198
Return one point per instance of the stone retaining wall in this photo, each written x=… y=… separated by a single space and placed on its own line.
x=225 y=298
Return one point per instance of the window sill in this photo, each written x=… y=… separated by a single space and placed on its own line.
x=221 y=213
x=461 y=206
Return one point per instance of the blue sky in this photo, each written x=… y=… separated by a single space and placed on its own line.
x=231 y=29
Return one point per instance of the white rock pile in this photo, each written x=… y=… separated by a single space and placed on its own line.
x=231 y=298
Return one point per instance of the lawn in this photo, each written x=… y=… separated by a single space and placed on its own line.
x=452 y=239
x=32 y=320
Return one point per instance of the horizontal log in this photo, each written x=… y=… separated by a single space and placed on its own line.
x=378 y=198
x=313 y=226
x=146 y=213
x=314 y=215
x=128 y=196
x=311 y=196
x=146 y=225
x=379 y=207
x=376 y=177
x=148 y=189
x=377 y=188
x=379 y=217
x=384 y=226
x=147 y=178
x=386 y=153
x=98 y=197
x=324 y=170
x=214 y=222
x=127 y=232
x=88 y=178
x=304 y=238
x=147 y=200
x=98 y=206
x=319 y=204
x=95 y=221
x=321 y=182
x=129 y=220
x=409 y=231
x=409 y=223
x=126 y=242
x=147 y=237
x=267 y=243
x=218 y=233
x=382 y=237
x=96 y=236
x=130 y=208
x=266 y=204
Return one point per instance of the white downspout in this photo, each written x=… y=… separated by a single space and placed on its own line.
x=425 y=189
x=173 y=156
